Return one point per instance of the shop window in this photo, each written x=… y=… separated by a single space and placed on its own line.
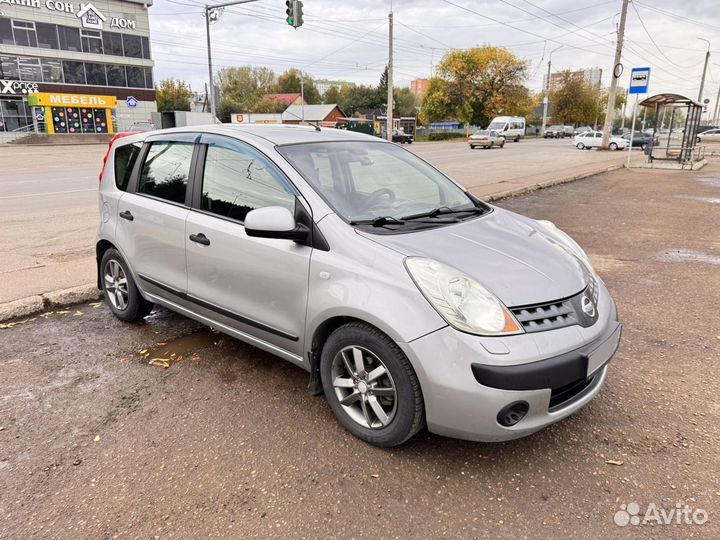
x=9 y=67
x=47 y=36
x=59 y=120
x=132 y=46
x=112 y=43
x=74 y=72
x=95 y=74
x=6 y=35
x=91 y=41
x=116 y=75
x=72 y=114
x=29 y=69
x=69 y=38
x=52 y=71
x=24 y=33
x=145 y=47
x=135 y=77
x=148 y=78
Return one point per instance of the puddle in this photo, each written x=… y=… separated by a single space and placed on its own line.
x=165 y=353
x=687 y=255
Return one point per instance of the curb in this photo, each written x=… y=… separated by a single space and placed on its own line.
x=40 y=302
x=548 y=183
x=84 y=293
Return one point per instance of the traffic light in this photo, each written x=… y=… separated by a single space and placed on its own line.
x=298 y=15
x=289 y=9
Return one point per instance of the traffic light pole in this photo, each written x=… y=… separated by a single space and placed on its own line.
x=610 y=112
x=210 y=12
x=389 y=116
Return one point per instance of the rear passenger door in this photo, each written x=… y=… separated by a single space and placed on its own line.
x=152 y=214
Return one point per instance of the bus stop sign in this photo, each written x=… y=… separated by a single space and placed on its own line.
x=639 y=80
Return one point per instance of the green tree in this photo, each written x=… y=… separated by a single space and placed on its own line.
x=404 y=102
x=241 y=89
x=574 y=101
x=173 y=95
x=332 y=95
x=474 y=85
x=289 y=83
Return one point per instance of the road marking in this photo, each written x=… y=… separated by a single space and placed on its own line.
x=47 y=193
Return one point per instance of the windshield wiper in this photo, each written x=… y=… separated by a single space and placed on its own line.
x=445 y=210
x=378 y=221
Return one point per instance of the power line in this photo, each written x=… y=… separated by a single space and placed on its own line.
x=649 y=35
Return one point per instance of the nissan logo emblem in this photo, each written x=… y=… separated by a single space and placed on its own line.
x=587 y=306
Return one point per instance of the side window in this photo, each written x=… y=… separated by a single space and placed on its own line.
x=125 y=158
x=237 y=180
x=166 y=170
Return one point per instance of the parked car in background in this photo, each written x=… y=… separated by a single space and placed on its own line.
x=711 y=135
x=511 y=127
x=568 y=131
x=554 y=132
x=143 y=126
x=399 y=136
x=581 y=129
x=641 y=139
x=408 y=301
x=486 y=138
x=593 y=139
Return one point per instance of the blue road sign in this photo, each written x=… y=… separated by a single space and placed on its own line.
x=131 y=101
x=639 y=80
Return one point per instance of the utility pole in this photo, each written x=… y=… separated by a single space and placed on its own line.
x=389 y=116
x=702 y=81
x=546 y=98
x=302 y=97
x=717 y=108
x=212 y=14
x=610 y=112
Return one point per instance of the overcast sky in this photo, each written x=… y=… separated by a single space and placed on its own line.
x=348 y=39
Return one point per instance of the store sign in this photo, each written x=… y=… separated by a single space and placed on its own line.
x=88 y=14
x=72 y=100
x=131 y=101
x=17 y=88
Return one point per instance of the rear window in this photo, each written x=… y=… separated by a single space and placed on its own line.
x=125 y=158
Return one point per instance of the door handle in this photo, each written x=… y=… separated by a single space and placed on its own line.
x=200 y=238
x=127 y=215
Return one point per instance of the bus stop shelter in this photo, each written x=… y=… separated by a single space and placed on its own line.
x=675 y=127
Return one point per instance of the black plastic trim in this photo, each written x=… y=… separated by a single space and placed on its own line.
x=217 y=309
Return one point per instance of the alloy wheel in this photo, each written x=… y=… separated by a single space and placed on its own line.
x=116 y=285
x=364 y=387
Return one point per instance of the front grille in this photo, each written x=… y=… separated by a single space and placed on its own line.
x=559 y=313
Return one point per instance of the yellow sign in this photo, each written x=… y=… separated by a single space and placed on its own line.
x=71 y=100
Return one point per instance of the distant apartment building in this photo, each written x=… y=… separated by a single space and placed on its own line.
x=593 y=76
x=418 y=87
x=323 y=85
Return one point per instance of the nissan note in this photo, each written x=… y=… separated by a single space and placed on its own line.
x=409 y=301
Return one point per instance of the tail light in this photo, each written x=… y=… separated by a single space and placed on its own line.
x=110 y=145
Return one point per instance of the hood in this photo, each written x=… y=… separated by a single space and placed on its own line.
x=507 y=253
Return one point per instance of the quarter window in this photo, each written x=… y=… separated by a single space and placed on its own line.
x=125 y=158
x=166 y=170
x=237 y=180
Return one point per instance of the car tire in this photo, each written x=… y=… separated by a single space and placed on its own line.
x=698 y=139
x=580 y=146
x=491 y=145
x=472 y=147
x=613 y=146
x=502 y=144
x=643 y=146
x=121 y=294
x=401 y=402
x=517 y=139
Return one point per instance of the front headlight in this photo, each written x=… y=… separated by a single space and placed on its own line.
x=566 y=241
x=463 y=302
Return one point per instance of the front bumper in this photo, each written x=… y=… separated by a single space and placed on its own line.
x=468 y=380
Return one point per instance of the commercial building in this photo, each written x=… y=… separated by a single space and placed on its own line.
x=323 y=85
x=72 y=68
x=593 y=76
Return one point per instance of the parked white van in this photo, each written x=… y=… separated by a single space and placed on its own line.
x=511 y=127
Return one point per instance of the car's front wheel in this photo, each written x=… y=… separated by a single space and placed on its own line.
x=121 y=293
x=580 y=146
x=371 y=386
x=613 y=146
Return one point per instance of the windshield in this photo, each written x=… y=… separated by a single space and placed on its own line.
x=364 y=181
x=498 y=126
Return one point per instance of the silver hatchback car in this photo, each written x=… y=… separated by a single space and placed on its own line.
x=409 y=301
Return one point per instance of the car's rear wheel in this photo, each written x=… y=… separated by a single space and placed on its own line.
x=121 y=293
x=491 y=144
x=502 y=144
x=371 y=386
x=613 y=146
x=643 y=146
x=580 y=146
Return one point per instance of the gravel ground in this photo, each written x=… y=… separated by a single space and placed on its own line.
x=96 y=442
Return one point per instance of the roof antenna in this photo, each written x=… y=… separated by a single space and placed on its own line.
x=317 y=128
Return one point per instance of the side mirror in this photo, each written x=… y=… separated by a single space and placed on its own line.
x=274 y=222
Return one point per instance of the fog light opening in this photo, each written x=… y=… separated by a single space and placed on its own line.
x=513 y=413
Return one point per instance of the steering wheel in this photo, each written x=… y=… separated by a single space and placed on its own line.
x=374 y=197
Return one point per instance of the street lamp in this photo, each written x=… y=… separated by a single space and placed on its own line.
x=547 y=91
x=707 y=57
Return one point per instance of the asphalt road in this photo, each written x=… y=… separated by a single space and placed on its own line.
x=226 y=443
x=48 y=200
